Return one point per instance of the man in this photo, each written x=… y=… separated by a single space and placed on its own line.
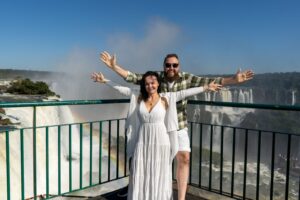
x=172 y=80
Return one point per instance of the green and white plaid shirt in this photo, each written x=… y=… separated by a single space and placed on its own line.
x=185 y=81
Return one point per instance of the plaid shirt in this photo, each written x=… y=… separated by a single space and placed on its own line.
x=185 y=81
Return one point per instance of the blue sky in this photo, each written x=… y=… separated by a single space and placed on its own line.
x=211 y=37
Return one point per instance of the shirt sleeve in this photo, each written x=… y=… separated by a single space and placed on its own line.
x=197 y=81
x=182 y=94
x=123 y=90
x=133 y=77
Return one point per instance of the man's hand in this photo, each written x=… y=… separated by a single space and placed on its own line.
x=98 y=77
x=241 y=77
x=108 y=60
x=111 y=62
x=213 y=86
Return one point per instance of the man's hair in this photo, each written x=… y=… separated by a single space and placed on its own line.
x=144 y=93
x=170 y=56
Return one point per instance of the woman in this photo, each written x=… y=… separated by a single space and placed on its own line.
x=151 y=131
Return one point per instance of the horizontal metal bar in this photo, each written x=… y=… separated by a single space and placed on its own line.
x=63 y=103
x=249 y=129
x=247 y=105
x=109 y=101
x=77 y=123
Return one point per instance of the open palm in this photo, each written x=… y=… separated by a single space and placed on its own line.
x=108 y=60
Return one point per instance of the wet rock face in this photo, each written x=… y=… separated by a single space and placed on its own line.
x=4 y=121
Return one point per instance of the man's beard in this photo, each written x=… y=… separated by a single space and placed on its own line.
x=173 y=78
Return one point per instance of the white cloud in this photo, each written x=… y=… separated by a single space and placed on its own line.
x=137 y=53
x=147 y=51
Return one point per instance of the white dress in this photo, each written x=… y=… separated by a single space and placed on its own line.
x=152 y=144
x=151 y=169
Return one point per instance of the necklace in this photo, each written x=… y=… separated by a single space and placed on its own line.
x=151 y=102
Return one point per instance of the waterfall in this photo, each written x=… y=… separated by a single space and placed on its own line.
x=225 y=95
x=294 y=97
x=218 y=115
x=45 y=116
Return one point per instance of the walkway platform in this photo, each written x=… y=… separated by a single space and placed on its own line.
x=114 y=196
x=110 y=191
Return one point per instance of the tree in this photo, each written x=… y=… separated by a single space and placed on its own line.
x=26 y=86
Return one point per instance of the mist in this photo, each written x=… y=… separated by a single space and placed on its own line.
x=137 y=55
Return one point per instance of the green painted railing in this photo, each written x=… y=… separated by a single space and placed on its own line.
x=120 y=151
x=34 y=129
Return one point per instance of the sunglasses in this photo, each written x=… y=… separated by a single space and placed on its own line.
x=169 y=65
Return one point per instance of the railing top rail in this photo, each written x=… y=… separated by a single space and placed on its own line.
x=110 y=101
x=63 y=103
x=247 y=105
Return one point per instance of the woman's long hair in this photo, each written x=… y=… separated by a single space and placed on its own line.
x=144 y=94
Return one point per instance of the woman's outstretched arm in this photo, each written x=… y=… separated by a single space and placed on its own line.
x=99 y=78
x=180 y=95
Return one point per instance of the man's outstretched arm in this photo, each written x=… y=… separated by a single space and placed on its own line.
x=240 y=77
x=111 y=62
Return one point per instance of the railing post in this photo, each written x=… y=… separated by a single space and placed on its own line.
x=233 y=162
x=245 y=164
x=258 y=165
x=125 y=156
x=34 y=154
x=288 y=156
x=210 y=157
x=200 y=156
x=80 y=156
x=109 y=150
x=59 y=160
x=91 y=153
x=221 y=160
x=47 y=162
x=100 y=152
x=191 y=155
x=272 y=165
x=70 y=158
x=7 y=165
x=118 y=135
x=22 y=164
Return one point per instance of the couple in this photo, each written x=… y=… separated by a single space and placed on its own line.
x=157 y=128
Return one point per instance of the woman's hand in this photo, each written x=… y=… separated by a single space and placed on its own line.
x=98 y=77
x=213 y=86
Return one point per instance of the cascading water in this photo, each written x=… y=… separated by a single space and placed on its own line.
x=45 y=116
x=294 y=97
x=51 y=116
x=217 y=115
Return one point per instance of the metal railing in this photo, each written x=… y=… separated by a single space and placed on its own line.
x=208 y=166
x=240 y=173
x=57 y=129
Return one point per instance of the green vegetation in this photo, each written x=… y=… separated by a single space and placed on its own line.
x=12 y=74
x=26 y=86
